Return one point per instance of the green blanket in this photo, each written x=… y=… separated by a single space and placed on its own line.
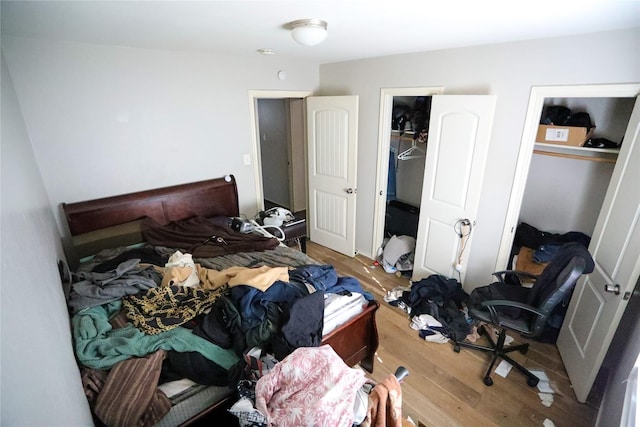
x=99 y=346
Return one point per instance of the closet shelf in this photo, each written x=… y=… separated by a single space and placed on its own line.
x=581 y=153
x=407 y=135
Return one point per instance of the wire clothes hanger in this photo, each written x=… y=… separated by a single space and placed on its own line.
x=413 y=152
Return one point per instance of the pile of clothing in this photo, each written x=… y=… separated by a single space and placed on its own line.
x=138 y=322
x=533 y=249
x=436 y=306
x=398 y=254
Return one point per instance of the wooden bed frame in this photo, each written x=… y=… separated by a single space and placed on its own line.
x=355 y=341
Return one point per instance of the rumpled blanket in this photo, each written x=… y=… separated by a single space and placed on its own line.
x=161 y=309
x=130 y=396
x=277 y=257
x=128 y=278
x=258 y=277
x=99 y=346
x=310 y=387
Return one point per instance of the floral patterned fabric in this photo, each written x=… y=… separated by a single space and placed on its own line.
x=311 y=387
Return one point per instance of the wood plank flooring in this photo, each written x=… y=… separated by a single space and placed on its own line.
x=445 y=388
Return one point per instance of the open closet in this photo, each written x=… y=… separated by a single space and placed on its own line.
x=407 y=155
x=569 y=188
x=444 y=190
x=567 y=183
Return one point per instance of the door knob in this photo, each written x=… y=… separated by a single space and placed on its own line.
x=350 y=191
x=612 y=288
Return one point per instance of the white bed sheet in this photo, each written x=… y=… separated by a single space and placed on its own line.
x=338 y=309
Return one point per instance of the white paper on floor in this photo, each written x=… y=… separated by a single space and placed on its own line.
x=546 y=399
x=543 y=385
x=503 y=369
x=548 y=423
x=508 y=339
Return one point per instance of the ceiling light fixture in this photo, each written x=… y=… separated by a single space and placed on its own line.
x=308 y=32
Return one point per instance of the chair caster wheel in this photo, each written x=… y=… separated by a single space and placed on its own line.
x=456 y=348
x=524 y=350
x=532 y=382
x=487 y=381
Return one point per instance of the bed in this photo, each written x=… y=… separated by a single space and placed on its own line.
x=102 y=229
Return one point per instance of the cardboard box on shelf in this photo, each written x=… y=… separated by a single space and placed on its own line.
x=563 y=135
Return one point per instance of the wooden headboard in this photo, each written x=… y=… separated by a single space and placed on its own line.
x=214 y=197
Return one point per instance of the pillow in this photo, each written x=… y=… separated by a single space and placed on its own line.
x=91 y=243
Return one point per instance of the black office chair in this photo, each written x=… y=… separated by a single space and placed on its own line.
x=526 y=310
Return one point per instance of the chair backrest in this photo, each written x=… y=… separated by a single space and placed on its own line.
x=557 y=281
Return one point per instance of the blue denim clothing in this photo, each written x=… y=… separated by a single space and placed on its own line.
x=350 y=284
x=252 y=303
x=391 y=177
x=321 y=277
x=545 y=253
x=324 y=278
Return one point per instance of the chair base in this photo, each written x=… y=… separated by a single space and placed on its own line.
x=500 y=352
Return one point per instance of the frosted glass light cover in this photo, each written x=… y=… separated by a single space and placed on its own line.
x=309 y=35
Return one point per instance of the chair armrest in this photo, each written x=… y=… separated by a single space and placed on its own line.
x=495 y=316
x=500 y=275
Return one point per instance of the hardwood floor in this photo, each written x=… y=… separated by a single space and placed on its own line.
x=445 y=388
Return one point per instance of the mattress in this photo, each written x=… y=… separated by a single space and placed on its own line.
x=192 y=401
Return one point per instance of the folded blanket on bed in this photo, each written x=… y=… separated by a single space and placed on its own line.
x=203 y=238
x=279 y=256
x=99 y=346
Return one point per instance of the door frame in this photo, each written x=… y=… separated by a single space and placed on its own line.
x=532 y=120
x=254 y=95
x=384 y=144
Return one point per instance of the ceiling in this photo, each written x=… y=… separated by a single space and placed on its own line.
x=357 y=29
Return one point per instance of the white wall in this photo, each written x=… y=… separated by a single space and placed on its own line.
x=111 y=120
x=409 y=172
x=273 y=150
x=564 y=194
x=40 y=382
x=507 y=71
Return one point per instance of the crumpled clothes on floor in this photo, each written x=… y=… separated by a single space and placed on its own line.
x=394 y=298
x=429 y=328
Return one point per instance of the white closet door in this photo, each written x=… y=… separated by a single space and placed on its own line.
x=594 y=314
x=459 y=135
